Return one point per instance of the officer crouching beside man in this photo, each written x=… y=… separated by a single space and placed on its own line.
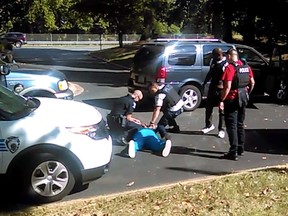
x=140 y=135
x=238 y=83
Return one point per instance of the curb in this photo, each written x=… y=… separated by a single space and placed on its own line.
x=75 y=88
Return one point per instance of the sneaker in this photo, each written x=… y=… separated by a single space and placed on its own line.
x=175 y=129
x=131 y=149
x=221 y=134
x=167 y=148
x=208 y=129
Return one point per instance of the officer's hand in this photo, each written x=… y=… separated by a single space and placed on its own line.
x=221 y=105
x=152 y=126
x=137 y=121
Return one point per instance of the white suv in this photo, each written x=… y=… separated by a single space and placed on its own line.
x=48 y=146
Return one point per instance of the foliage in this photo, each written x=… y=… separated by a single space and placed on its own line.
x=262 y=20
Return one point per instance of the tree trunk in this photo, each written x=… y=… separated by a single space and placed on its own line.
x=120 y=38
x=217 y=19
x=249 y=33
x=227 y=15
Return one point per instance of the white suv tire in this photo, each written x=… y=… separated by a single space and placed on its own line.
x=44 y=178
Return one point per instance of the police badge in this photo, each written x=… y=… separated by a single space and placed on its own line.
x=12 y=143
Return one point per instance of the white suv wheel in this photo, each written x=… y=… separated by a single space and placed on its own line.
x=49 y=178
x=44 y=178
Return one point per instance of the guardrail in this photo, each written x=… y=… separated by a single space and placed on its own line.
x=99 y=43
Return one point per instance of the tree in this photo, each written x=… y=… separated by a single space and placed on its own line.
x=121 y=16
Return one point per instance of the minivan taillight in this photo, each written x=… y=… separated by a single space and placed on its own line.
x=161 y=75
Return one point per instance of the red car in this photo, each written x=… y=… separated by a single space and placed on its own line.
x=15 y=38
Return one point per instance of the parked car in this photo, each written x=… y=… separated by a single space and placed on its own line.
x=279 y=60
x=28 y=81
x=184 y=63
x=15 y=38
x=49 y=147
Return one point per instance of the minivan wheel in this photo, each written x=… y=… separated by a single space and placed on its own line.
x=46 y=178
x=191 y=96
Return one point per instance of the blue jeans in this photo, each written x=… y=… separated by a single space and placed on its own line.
x=234 y=120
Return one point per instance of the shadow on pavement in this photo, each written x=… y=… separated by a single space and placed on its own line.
x=11 y=201
x=271 y=141
x=215 y=173
x=196 y=152
x=107 y=103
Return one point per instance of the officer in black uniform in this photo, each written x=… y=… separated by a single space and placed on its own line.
x=170 y=103
x=238 y=82
x=120 y=119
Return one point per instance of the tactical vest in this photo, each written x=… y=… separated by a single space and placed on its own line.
x=172 y=97
x=241 y=77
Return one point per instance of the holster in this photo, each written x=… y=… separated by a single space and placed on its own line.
x=118 y=119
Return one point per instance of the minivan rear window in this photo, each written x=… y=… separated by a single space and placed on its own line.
x=148 y=53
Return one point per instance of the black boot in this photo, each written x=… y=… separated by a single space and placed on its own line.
x=175 y=129
x=230 y=156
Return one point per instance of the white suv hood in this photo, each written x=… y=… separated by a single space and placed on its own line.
x=66 y=112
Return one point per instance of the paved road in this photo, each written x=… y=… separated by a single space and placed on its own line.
x=193 y=155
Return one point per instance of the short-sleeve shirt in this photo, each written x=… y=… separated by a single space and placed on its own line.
x=123 y=106
x=228 y=75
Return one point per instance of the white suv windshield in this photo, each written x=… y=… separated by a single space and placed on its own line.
x=13 y=106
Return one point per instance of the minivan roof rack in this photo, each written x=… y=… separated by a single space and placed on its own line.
x=188 y=39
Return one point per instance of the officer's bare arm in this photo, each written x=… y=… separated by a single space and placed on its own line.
x=251 y=85
x=226 y=89
x=131 y=118
x=155 y=114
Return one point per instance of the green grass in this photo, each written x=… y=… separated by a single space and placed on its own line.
x=121 y=56
x=262 y=192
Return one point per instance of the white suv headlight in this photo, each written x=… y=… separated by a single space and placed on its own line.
x=63 y=85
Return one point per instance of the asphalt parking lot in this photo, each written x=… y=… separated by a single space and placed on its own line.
x=193 y=155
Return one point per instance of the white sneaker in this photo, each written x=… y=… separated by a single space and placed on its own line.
x=207 y=130
x=167 y=148
x=221 y=134
x=131 y=149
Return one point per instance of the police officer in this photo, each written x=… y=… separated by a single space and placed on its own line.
x=217 y=66
x=120 y=118
x=238 y=82
x=170 y=103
